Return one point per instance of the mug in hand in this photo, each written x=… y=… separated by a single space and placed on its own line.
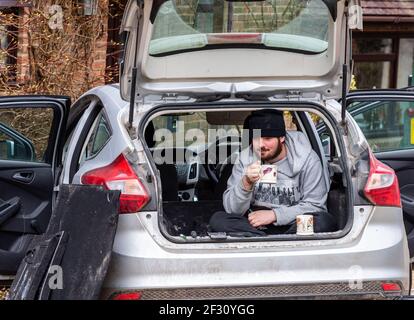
x=268 y=173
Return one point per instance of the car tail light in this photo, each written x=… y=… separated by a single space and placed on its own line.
x=382 y=186
x=127 y=296
x=390 y=287
x=120 y=176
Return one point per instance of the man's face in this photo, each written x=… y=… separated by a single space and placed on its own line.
x=268 y=148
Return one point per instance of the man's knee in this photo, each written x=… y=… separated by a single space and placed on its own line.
x=218 y=221
x=324 y=222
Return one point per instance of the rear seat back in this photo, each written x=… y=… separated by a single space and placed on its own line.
x=168 y=172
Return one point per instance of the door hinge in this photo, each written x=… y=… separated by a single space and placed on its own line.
x=289 y=95
x=294 y=95
x=298 y=96
x=174 y=97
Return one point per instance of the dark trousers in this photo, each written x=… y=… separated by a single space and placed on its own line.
x=238 y=225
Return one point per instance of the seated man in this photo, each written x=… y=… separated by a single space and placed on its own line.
x=257 y=207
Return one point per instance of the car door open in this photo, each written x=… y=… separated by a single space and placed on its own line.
x=31 y=135
x=386 y=117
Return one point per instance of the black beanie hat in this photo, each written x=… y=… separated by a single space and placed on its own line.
x=270 y=122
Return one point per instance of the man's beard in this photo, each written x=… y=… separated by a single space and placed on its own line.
x=273 y=155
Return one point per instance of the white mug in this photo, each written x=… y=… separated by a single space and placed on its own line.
x=304 y=224
x=268 y=173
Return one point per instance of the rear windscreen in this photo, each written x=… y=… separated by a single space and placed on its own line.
x=288 y=25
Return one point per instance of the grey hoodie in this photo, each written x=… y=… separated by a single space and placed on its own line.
x=301 y=185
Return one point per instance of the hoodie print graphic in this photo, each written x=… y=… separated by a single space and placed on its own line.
x=284 y=192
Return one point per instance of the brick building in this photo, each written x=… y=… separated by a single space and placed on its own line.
x=383 y=52
x=106 y=49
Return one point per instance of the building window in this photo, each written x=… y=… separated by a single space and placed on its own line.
x=374 y=61
x=405 y=62
x=382 y=61
x=8 y=44
x=115 y=46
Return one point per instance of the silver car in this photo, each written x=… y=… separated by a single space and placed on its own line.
x=205 y=67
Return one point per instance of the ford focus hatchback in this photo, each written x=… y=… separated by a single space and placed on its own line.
x=169 y=135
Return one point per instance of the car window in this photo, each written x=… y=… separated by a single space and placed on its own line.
x=387 y=125
x=200 y=128
x=190 y=129
x=98 y=136
x=24 y=133
x=325 y=136
x=270 y=24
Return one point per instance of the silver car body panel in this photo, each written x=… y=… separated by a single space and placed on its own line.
x=217 y=71
x=375 y=248
x=115 y=110
x=378 y=253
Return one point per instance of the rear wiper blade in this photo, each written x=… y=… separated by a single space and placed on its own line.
x=213 y=97
x=252 y=96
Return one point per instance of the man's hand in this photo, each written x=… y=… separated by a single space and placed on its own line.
x=252 y=175
x=261 y=218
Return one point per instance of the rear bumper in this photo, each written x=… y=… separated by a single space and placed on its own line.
x=379 y=253
x=365 y=290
